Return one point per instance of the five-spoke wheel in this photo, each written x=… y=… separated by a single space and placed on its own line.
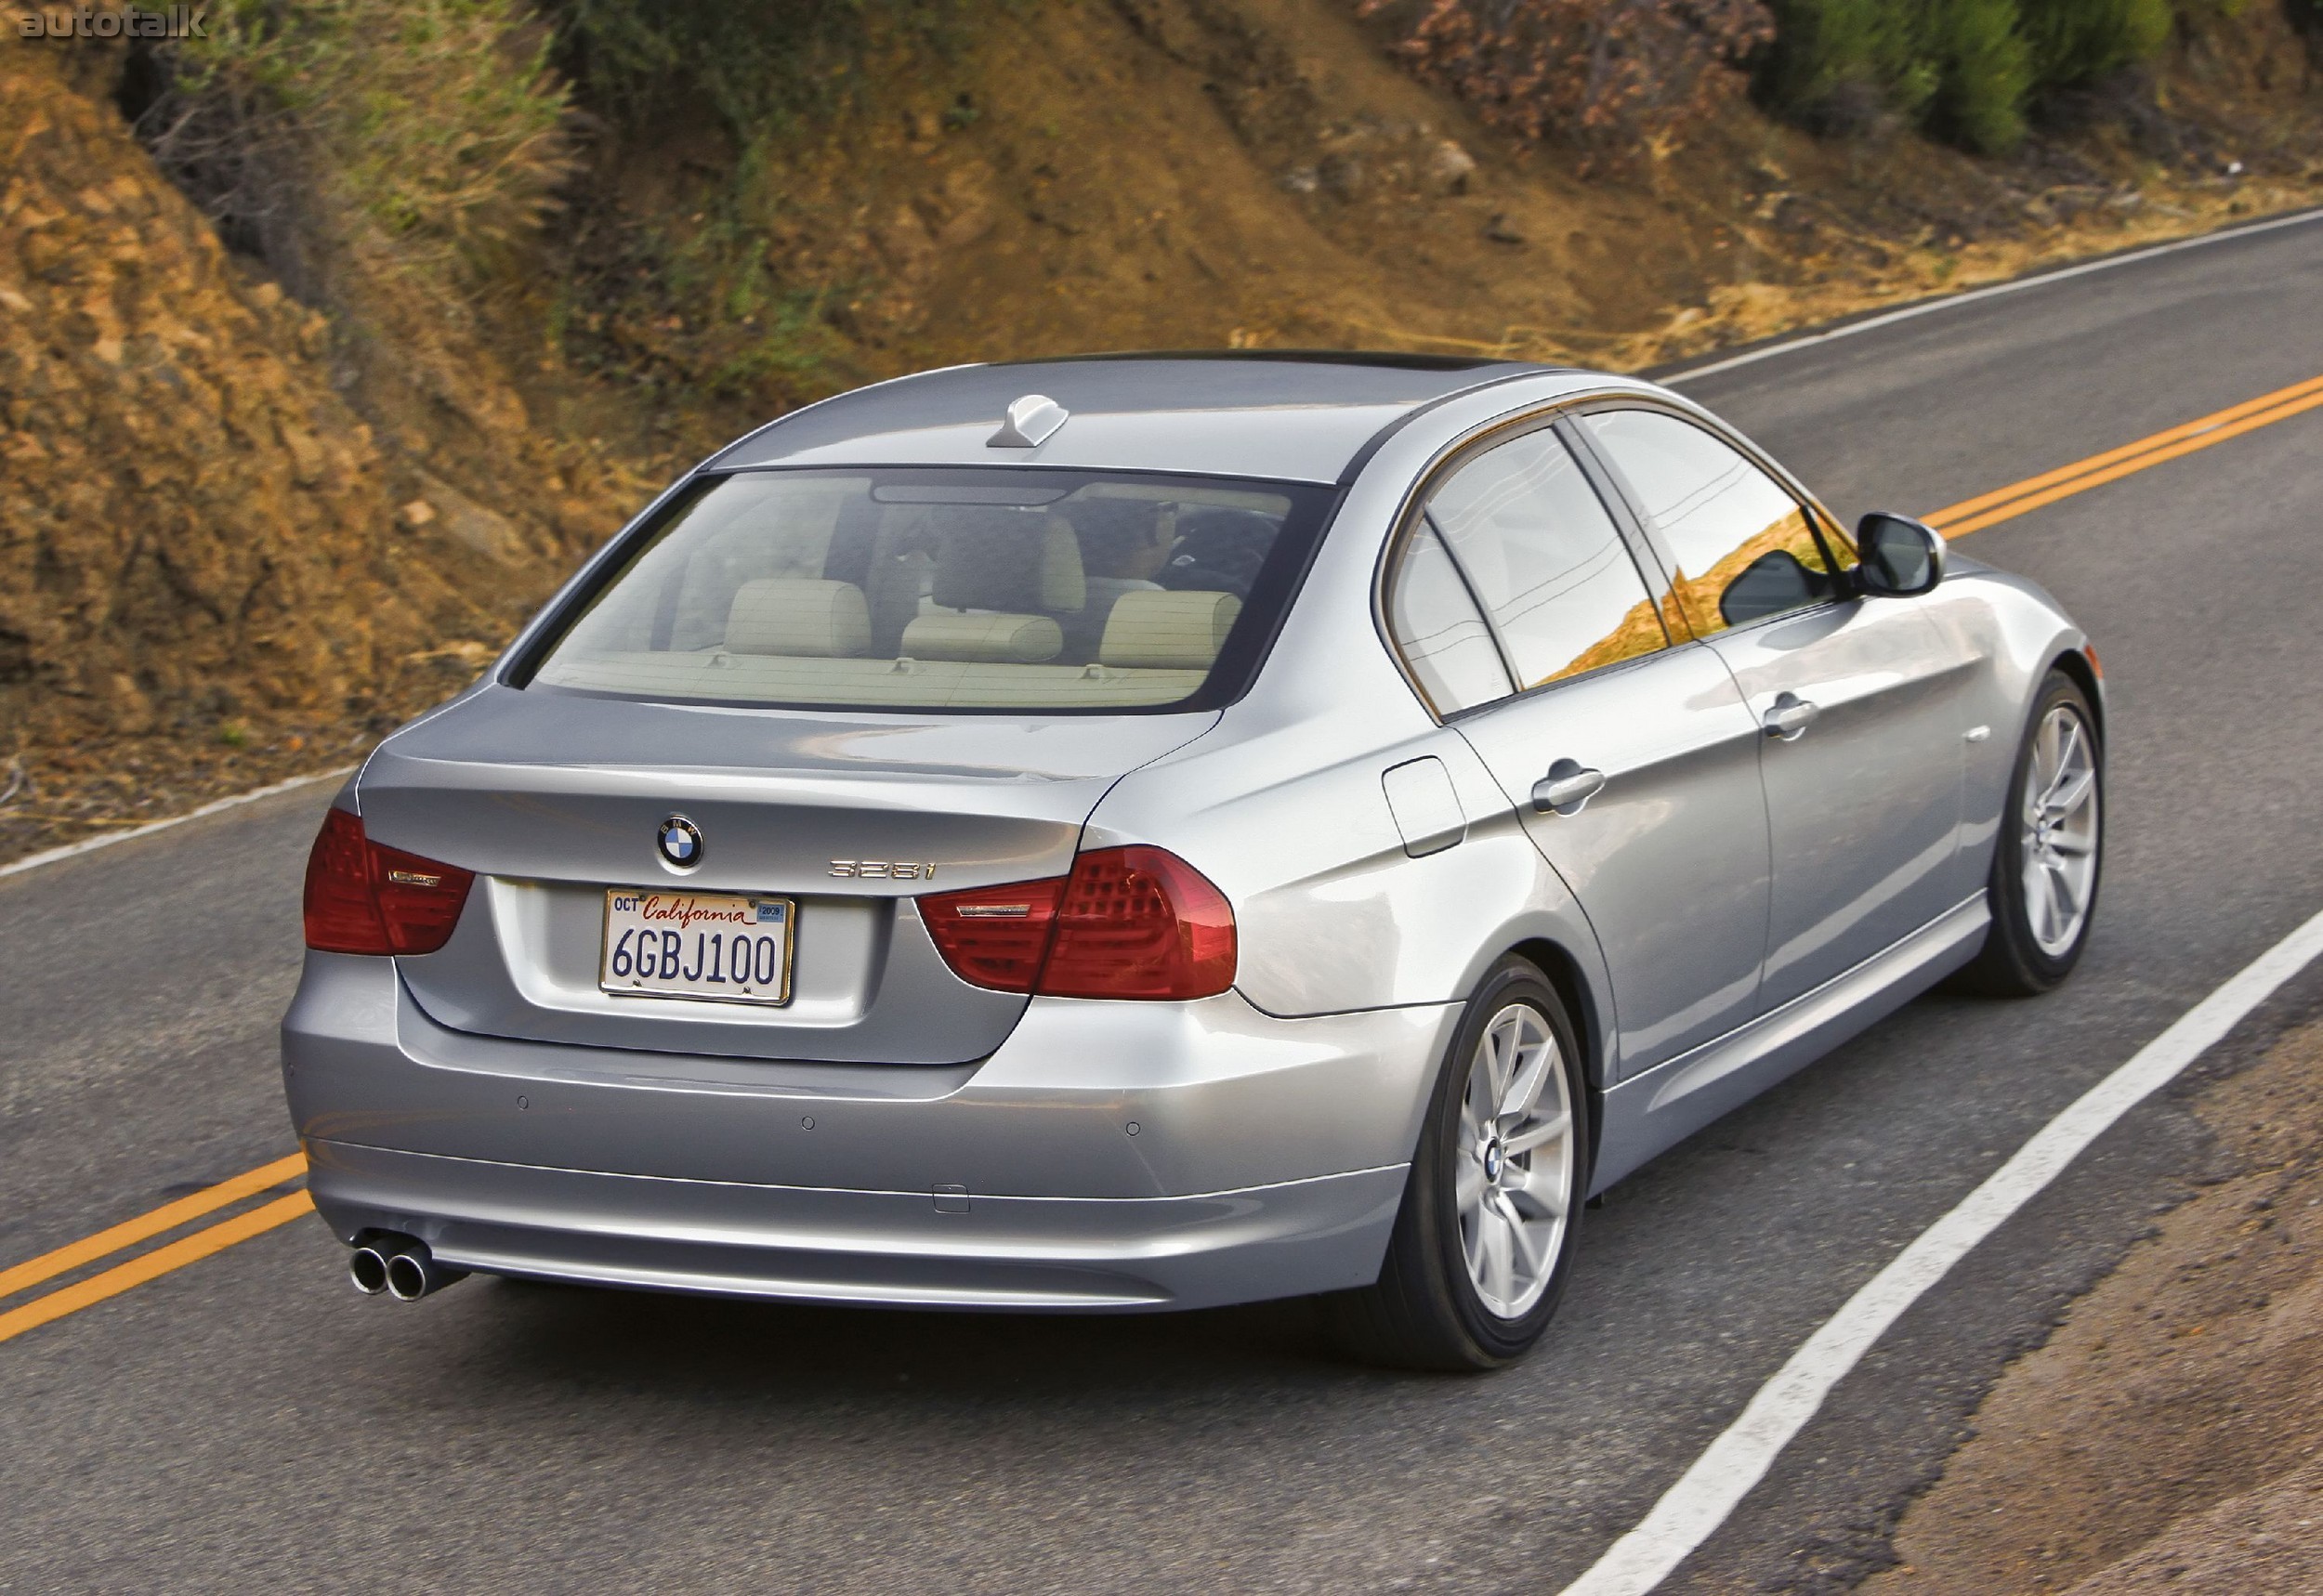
x=1513 y=1173
x=2060 y=836
x=2042 y=890
x=1485 y=1239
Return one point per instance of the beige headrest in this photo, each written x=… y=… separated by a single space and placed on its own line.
x=1168 y=630
x=1004 y=639
x=778 y=615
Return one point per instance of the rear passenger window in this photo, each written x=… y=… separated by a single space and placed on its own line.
x=1744 y=547
x=1439 y=633
x=1545 y=561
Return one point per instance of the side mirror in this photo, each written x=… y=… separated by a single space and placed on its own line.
x=1900 y=556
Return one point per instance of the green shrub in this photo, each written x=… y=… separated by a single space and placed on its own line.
x=757 y=64
x=1985 y=70
x=2080 y=41
x=1967 y=69
x=1836 y=54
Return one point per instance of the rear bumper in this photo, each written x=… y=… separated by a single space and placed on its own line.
x=895 y=1249
x=1109 y=1157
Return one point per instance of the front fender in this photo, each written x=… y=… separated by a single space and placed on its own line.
x=2019 y=632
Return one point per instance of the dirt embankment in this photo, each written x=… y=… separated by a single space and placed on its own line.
x=2169 y=1438
x=214 y=569
x=1197 y=173
x=241 y=535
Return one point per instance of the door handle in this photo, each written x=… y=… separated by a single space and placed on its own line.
x=1566 y=787
x=1789 y=716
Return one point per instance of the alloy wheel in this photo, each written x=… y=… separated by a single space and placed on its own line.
x=2060 y=830
x=1514 y=1165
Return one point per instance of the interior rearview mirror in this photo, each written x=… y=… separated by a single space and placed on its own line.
x=1901 y=556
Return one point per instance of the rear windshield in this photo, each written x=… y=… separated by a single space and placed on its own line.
x=983 y=588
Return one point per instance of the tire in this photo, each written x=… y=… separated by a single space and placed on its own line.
x=1473 y=1288
x=2033 y=944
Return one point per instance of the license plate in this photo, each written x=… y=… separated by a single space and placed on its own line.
x=720 y=945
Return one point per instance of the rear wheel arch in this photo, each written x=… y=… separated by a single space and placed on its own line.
x=1563 y=971
x=1564 y=974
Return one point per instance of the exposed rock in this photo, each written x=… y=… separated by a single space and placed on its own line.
x=904 y=243
x=960 y=210
x=1449 y=167
x=204 y=496
x=469 y=524
x=1343 y=176
x=194 y=520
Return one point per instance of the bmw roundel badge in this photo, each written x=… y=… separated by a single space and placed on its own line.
x=680 y=843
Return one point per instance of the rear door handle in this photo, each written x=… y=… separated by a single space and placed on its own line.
x=1789 y=716
x=1566 y=787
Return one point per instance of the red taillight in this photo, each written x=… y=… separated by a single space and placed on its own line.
x=1139 y=923
x=362 y=897
x=1128 y=923
x=995 y=935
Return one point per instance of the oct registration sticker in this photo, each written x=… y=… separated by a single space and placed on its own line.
x=722 y=947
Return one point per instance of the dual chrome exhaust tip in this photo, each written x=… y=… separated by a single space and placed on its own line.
x=399 y=1265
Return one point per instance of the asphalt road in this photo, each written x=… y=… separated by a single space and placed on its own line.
x=249 y=1421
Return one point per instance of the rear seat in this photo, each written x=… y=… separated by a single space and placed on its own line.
x=1151 y=629
x=796 y=638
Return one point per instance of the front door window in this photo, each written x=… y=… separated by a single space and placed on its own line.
x=1743 y=547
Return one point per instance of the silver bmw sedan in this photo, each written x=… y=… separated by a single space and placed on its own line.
x=1150 y=833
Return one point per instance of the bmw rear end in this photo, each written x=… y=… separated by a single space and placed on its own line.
x=742 y=932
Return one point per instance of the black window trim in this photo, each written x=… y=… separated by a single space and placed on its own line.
x=1467 y=585
x=1614 y=495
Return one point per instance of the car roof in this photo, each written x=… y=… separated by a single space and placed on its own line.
x=1297 y=415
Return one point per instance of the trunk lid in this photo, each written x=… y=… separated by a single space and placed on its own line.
x=554 y=798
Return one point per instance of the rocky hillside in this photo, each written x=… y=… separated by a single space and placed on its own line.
x=244 y=530
x=215 y=566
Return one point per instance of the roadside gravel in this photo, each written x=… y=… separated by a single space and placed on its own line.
x=2167 y=1437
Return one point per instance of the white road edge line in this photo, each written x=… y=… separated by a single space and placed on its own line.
x=1692 y=1509
x=1993 y=291
x=90 y=844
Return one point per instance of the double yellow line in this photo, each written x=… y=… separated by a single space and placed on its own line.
x=1955 y=520
x=161 y=1260
x=2204 y=432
